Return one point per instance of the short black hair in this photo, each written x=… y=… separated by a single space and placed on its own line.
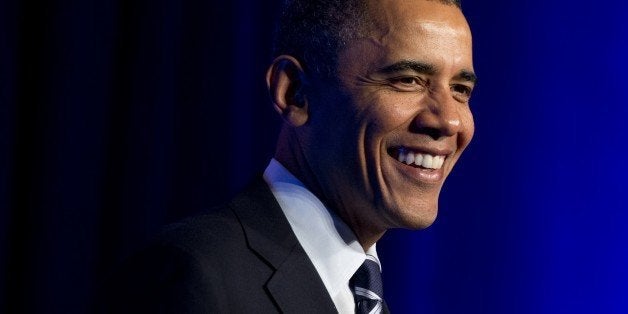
x=313 y=31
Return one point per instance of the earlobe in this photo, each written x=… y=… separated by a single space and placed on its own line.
x=285 y=80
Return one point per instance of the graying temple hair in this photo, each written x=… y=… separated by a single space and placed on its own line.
x=313 y=31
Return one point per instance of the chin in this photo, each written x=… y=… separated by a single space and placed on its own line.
x=414 y=218
x=421 y=222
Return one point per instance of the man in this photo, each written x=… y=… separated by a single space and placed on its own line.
x=374 y=97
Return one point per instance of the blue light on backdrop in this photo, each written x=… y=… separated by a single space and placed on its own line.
x=534 y=218
x=117 y=117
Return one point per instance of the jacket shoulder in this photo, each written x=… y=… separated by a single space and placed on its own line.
x=197 y=265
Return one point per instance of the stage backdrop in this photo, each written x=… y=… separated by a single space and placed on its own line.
x=117 y=117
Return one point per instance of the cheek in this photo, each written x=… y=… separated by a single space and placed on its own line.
x=390 y=111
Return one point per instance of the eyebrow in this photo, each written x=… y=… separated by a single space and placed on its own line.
x=426 y=68
x=468 y=76
x=404 y=65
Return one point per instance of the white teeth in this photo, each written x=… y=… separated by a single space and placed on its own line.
x=422 y=160
x=410 y=158
x=428 y=161
x=402 y=156
x=439 y=160
x=418 y=159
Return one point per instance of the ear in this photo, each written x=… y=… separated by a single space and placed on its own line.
x=285 y=80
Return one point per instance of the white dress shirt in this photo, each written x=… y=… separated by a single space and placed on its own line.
x=329 y=243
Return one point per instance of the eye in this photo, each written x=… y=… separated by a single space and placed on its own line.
x=461 y=92
x=408 y=83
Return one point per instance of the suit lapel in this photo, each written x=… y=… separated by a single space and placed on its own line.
x=295 y=285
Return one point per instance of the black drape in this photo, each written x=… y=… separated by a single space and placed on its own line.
x=118 y=117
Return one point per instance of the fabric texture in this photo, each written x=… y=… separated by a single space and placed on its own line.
x=238 y=258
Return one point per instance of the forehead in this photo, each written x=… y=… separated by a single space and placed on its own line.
x=405 y=13
x=429 y=28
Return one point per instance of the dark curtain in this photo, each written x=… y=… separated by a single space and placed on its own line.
x=118 y=117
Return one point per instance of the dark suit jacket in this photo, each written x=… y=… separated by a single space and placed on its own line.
x=239 y=258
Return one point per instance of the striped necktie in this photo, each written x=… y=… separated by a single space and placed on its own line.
x=366 y=285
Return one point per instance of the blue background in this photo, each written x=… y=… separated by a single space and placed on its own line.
x=117 y=117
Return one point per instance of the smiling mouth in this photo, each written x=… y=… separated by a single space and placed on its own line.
x=417 y=159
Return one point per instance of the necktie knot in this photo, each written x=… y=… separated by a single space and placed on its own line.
x=367 y=288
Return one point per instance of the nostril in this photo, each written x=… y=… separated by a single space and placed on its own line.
x=438 y=122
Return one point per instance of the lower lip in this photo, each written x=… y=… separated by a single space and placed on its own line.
x=420 y=174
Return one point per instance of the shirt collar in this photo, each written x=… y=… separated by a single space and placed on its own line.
x=329 y=243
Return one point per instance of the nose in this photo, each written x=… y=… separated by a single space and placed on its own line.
x=439 y=116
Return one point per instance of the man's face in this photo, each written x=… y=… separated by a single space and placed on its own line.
x=383 y=139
